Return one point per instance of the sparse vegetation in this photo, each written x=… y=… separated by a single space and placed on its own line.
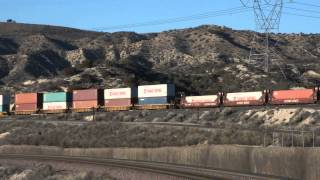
x=202 y=60
x=43 y=171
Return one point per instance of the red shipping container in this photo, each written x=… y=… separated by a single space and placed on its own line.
x=26 y=98
x=257 y=98
x=84 y=104
x=85 y=95
x=118 y=103
x=298 y=96
x=26 y=107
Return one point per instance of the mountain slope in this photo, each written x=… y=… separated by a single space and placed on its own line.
x=201 y=60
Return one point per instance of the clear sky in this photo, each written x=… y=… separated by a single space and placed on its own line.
x=103 y=14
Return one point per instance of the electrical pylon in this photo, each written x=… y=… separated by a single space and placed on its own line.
x=267 y=19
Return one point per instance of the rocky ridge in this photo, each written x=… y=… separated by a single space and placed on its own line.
x=201 y=60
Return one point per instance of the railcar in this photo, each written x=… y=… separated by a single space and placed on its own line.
x=120 y=99
x=257 y=98
x=206 y=101
x=87 y=100
x=56 y=102
x=153 y=97
x=4 y=104
x=294 y=96
x=28 y=103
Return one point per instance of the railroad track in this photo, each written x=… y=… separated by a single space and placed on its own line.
x=188 y=172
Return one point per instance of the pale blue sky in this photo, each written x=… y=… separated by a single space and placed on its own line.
x=98 y=14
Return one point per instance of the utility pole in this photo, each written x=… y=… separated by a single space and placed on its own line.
x=267 y=19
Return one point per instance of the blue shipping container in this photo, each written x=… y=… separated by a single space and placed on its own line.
x=154 y=100
x=4 y=108
x=56 y=97
x=5 y=99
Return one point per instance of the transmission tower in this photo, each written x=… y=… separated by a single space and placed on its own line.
x=267 y=19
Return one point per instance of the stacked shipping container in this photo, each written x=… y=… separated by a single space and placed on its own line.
x=156 y=94
x=121 y=97
x=56 y=101
x=4 y=104
x=86 y=99
x=28 y=103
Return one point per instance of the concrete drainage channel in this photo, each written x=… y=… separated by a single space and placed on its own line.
x=188 y=172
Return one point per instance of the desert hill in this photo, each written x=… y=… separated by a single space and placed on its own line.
x=201 y=60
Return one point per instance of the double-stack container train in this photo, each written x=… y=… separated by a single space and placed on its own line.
x=152 y=97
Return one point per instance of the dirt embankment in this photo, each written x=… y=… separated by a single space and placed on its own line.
x=48 y=172
x=54 y=170
x=250 y=117
x=296 y=163
x=108 y=134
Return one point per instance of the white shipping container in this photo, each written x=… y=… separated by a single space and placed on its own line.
x=245 y=96
x=121 y=93
x=55 y=106
x=1 y=100
x=201 y=99
x=160 y=90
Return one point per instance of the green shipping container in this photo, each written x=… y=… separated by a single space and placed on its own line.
x=56 y=97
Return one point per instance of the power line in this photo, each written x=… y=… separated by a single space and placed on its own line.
x=304 y=10
x=302 y=15
x=307 y=4
x=209 y=14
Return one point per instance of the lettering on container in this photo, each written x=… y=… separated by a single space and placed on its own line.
x=119 y=93
x=243 y=103
x=249 y=98
x=201 y=99
x=54 y=106
x=291 y=101
x=151 y=91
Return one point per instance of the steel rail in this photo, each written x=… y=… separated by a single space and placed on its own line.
x=190 y=172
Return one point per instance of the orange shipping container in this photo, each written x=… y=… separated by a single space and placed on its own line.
x=293 y=96
x=84 y=104
x=26 y=107
x=85 y=95
x=26 y=98
x=118 y=102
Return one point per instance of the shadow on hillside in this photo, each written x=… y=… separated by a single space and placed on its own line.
x=46 y=63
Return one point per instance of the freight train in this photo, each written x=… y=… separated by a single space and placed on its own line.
x=151 y=97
